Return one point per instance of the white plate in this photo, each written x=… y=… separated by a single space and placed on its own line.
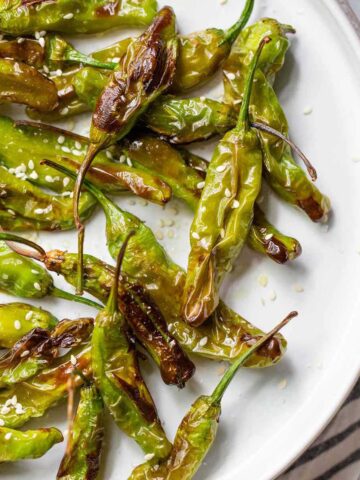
x=265 y=427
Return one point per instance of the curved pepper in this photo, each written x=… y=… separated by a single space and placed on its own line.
x=17 y=445
x=82 y=458
x=24 y=145
x=31 y=399
x=226 y=336
x=38 y=349
x=225 y=212
x=21 y=83
x=145 y=72
x=22 y=17
x=117 y=375
x=27 y=51
x=18 y=319
x=197 y=431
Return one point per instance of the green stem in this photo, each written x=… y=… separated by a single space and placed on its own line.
x=78 y=57
x=243 y=121
x=57 y=292
x=10 y=237
x=219 y=391
x=233 y=32
x=112 y=305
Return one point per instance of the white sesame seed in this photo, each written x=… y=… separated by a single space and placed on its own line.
x=25 y=353
x=46 y=69
x=8 y=436
x=200 y=185
x=42 y=42
x=77 y=153
x=109 y=154
x=122 y=159
x=5 y=410
x=263 y=280
x=195 y=235
x=269 y=236
x=298 y=288
x=61 y=139
x=308 y=110
x=282 y=384
x=37 y=35
x=231 y=76
x=31 y=165
x=149 y=457
x=68 y=16
x=115 y=59
x=235 y=204
x=227 y=193
x=17 y=324
x=129 y=162
x=66 y=181
x=37 y=286
x=203 y=99
x=13 y=400
x=29 y=315
x=221 y=168
x=159 y=235
x=66 y=149
x=73 y=360
x=222 y=233
x=78 y=145
x=34 y=175
x=49 y=179
x=64 y=111
x=272 y=296
x=203 y=341
x=2 y=423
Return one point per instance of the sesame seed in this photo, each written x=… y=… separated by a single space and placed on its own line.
x=308 y=110
x=49 y=179
x=13 y=400
x=272 y=296
x=263 y=280
x=66 y=181
x=78 y=145
x=221 y=168
x=64 y=111
x=29 y=315
x=231 y=76
x=269 y=236
x=235 y=204
x=42 y=42
x=298 y=288
x=109 y=154
x=34 y=175
x=129 y=162
x=222 y=233
x=2 y=423
x=200 y=185
x=282 y=384
x=73 y=360
x=203 y=341
x=61 y=139
x=37 y=35
x=17 y=324
x=8 y=436
x=37 y=286
x=159 y=235
x=31 y=165
x=149 y=457
x=66 y=149
x=195 y=235
x=170 y=233
x=77 y=153
x=25 y=353
x=122 y=159
x=5 y=410
x=68 y=16
x=227 y=193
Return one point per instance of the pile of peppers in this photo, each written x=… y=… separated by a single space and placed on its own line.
x=143 y=122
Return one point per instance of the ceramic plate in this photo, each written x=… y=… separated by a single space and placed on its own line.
x=269 y=417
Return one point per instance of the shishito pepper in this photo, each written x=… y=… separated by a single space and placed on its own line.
x=23 y=277
x=31 y=444
x=27 y=50
x=225 y=212
x=39 y=348
x=18 y=319
x=145 y=72
x=53 y=212
x=118 y=377
x=23 y=146
x=32 y=398
x=226 y=336
x=197 y=431
x=82 y=458
x=21 y=83
x=21 y=17
x=283 y=174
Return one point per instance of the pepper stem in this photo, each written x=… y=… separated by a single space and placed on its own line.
x=233 y=32
x=243 y=120
x=57 y=292
x=90 y=155
x=112 y=305
x=75 y=56
x=38 y=254
x=266 y=128
x=219 y=391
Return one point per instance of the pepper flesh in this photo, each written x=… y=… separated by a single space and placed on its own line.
x=18 y=319
x=197 y=431
x=225 y=212
x=21 y=83
x=118 y=377
x=31 y=444
x=22 y=17
x=82 y=458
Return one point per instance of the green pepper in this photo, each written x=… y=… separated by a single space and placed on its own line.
x=226 y=336
x=39 y=348
x=283 y=174
x=18 y=17
x=24 y=145
x=118 y=377
x=202 y=53
x=17 y=445
x=225 y=212
x=18 y=319
x=145 y=72
x=21 y=83
x=197 y=431
x=54 y=212
x=82 y=458
x=31 y=399
x=27 y=51
x=23 y=277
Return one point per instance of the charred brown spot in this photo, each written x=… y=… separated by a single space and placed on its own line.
x=147 y=408
x=110 y=9
x=93 y=463
x=276 y=250
x=312 y=208
x=30 y=342
x=271 y=349
x=54 y=260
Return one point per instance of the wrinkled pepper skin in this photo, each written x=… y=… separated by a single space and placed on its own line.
x=82 y=459
x=228 y=334
x=54 y=212
x=32 y=444
x=225 y=212
x=21 y=83
x=28 y=51
x=23 y=17
x=18 y=319
x=119 y=380
x=39 y=348
x=35 y=396
x=266 y=239
x=283 y=174
x=24 y=145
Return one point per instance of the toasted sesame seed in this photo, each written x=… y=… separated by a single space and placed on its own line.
x=66 y=181
x=221 y=168
x=149 y=457
x=31 y=165
x=61 y=139
x=34 y=175
x=222 y=233
x=73 y=360
x=78 y=145
x=235 y=204
x=42 y=42
x=8 y=436
x=68 y=16
x=49 y=179
x=227 y=193
x=17 y=324
x=200 y=185
x=203 y=341
x=29 y=315
x=2 y=423
x=37 y=286
x=195 y=235
x=263 y=280
x=64 y=111
x=66 y=149
x=25 y=353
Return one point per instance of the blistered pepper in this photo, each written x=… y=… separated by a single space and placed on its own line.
x=31 y=444
x=118 y=377
x=22 y=17
x=197 y=431
x=82 y=458
x=18 y=319
x=21 y=83
x=225 y=213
